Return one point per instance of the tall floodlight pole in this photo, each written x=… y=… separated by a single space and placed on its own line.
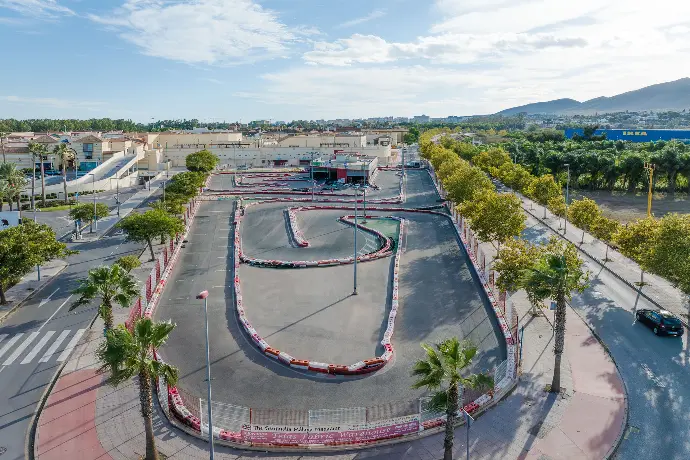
x=311 y=169
x=567 y=196
x=203 y=295
x=364 y=218
x=95 y=221
x=354 y=292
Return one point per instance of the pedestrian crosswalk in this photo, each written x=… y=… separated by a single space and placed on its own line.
x=28 y=346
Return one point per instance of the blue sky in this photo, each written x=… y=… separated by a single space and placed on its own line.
x=290 y=59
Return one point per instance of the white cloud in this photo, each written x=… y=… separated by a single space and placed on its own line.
x=203 y=31
x=54 y=103
x=37 y=8
x=369 y=17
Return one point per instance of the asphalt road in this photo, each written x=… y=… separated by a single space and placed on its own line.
x=311 y=311
x=655 y=369
x=33 y=340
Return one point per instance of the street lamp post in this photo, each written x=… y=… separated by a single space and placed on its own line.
x=354 y=292
x=567 y=193
x=311 y=169
x=203 y=295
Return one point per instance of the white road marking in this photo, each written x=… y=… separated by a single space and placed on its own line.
x=55 y=312
x=41 y=343
x=63 y=335
x=3 y=337
x=47 y=299
x=20 y=349
x=9 y=344
x=70 y=346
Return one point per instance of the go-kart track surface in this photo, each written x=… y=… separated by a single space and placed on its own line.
x=310 y=312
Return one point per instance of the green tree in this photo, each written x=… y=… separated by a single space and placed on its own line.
x=542 y=189
x=449 y=167
x=583 y=213
x=143 y=228
x=3 y=135
x=129 y=263
x=556 y=274
x=186 y=184
x=636 y=239
x=111 y=285
x=495 y=217
x=441 y=156
x=441 y=372
x=516 y=257
x=64 y=155
x=24 y=247
x=202 y=161
x=84 y=212
x=124 y=355
x=466 y=182
x=670 y=255
x=15 y=184
x=557 y=206
x=170 y=206
x=3 y=192
x=605 y=229
x=494 y=157
x=40 y=152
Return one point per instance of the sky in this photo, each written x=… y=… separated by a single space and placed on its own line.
x=229 y=60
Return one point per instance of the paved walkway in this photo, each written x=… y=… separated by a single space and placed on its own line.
x=584 y=422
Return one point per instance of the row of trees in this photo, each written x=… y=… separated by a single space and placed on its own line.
x=546 y=271
x=603 y=164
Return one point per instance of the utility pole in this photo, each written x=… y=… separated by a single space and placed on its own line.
x=650 y=167
x=311 y=168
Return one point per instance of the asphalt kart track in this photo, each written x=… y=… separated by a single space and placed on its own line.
x=311 y=312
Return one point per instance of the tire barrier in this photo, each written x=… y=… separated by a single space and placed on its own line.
x=296 y=233
x=343 y=435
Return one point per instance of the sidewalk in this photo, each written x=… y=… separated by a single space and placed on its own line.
x=107 y=223
x=657 y=289
x=29 y=285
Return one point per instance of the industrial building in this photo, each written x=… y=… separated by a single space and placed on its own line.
x=637 y=135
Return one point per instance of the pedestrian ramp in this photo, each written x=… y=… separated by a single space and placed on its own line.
x=38 y=346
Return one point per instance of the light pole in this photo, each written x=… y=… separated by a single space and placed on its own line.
x=94 y=224
x=364 y=191
x=311 y=169
x=567 y=196
x=204 y=295
x=354 y=292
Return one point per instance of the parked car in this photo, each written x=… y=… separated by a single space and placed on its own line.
x=661 y=322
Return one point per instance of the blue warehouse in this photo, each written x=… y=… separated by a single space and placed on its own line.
x=637 y=135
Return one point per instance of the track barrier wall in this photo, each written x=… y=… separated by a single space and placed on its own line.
x=322 y=427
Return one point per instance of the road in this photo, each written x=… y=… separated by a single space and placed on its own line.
x=654 y=369
x=40 y=335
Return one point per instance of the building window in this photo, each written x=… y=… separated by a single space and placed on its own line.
x=88 y=151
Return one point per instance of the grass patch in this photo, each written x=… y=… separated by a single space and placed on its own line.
x=389 y=227
x=63 y=207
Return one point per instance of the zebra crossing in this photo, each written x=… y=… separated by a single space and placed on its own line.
x=29 y=346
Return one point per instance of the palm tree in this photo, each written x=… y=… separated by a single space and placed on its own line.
x=441 y=373
x=63 y=153
x=15 y=183
x=3 y=135
x=35 y=149
x=126 y=354
x=112 y=284
x=3 y=192
x=556 y=275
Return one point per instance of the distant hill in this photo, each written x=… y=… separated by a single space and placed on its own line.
x=673 y=95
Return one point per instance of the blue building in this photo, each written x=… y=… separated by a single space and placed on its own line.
x=637 y=135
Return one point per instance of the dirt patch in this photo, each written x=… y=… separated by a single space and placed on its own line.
x=626 y=207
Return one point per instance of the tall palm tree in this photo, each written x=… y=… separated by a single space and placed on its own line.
x=35 y=150
x=441 y=373
x=126 y=354
x=64 y=154
x=3 y=135
x=556 y=275
x=112 y=285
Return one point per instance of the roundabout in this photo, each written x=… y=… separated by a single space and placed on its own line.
x=295 y=341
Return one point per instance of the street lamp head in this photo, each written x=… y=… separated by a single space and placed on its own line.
x=202 y=295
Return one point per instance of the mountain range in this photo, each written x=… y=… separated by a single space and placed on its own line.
x=674 y=95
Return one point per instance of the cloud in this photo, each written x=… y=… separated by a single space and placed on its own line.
x=54 y=103
x=36 y=8
x=369 y=17
x=444 y=48
x=213 y=80
x=215 y=32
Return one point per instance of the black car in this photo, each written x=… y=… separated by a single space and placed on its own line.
x=661 y=322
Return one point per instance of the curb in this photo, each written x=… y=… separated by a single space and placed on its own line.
x=30 y=296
